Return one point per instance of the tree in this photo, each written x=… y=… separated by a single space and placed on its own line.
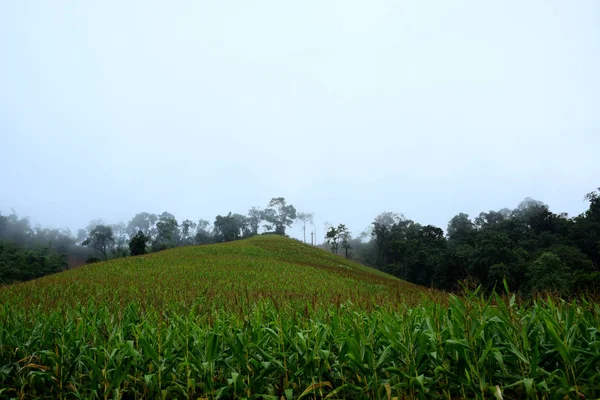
x=187 y=232
x=120 y=235
x=255 y=216
x=332 y=239
x=18 y=263
x=137 y=244
x=548 y=273
x=585 y=277
x=203 y=232
x=280 y=214
x=228 y=227
x=460 y=230
x=586 y=229
x=496 y=257
x=100 y=238
x=336 y=236
x=380 y=236
x=94 y=223
x=490 y=219
x=81 y=235
x=242 y=222
x=344 y=235
x=144 y=222
x=167 y=234
x=59 y=240
x=16 y=230
x=388 y=219
x=305 y=218
x=3 y=226
x=528 y=208
x=384 y=220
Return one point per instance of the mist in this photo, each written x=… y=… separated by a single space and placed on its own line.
x=345 y=109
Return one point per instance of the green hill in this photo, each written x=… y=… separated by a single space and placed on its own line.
x=272 y=318
x=227 y=274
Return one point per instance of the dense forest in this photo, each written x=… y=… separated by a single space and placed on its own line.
x=530 y=247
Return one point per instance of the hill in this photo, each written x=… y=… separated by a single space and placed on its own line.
x=227 y=274
x=272 y=318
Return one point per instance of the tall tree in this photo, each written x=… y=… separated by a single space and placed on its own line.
x=332 y=239
x=388 y=219
x=586 y=230
x=228 y=227
x=491 y=219
x=137 y=244
x=380 y=236
x=280 y=214
x=100 y=238
x=144 y=222
x=204 y=233
x=344 y=235
x=461 y=230
x=255 y=216
x=120 y=248
x=305 y=218
x=167 y=232
x=16 y=230
x=242 y=222
x=187 y=233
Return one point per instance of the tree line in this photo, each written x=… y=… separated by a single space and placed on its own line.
x=28 y=252
x=530 y=247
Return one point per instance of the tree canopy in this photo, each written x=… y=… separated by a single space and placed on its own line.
x=100 y=238
x=530 y=247
x=280 y=214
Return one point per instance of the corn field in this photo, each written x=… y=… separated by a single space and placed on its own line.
x=273 y=319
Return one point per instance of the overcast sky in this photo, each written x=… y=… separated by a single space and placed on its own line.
x=345 y=108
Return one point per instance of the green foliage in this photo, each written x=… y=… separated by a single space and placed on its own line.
x=137 y=245
x=203 y=233
x=17 y=233
x=461 y=230
x=21 y=264
x=167 y=232
x=509 y=245
x=100 y=238
x=279 y=214
x=187 y=234
x=345 y=237
x=255 y=216
x=332 y=238
x=337 y=236
x=270 y=318
x=230 y=227
x=549 y=274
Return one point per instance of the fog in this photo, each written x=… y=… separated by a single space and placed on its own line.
x=345 y=108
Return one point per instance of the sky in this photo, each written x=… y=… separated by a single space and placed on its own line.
x=345 y=108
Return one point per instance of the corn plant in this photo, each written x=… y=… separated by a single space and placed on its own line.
x=269 y=318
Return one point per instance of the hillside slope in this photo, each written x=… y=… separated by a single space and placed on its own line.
x=271 y=318
x=225 y=274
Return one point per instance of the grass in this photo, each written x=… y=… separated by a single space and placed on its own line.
x=272 y=318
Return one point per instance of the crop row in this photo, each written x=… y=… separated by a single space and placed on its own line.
x=468 y=348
